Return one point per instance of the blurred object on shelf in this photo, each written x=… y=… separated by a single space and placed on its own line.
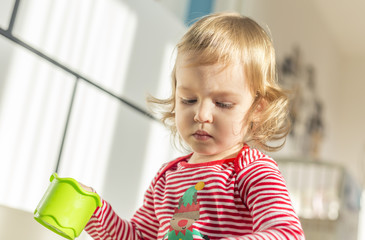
x=325 y=197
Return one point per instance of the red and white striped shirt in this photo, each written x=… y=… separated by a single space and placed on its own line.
x=240 y=198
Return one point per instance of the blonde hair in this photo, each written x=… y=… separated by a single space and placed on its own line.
x=228 y=38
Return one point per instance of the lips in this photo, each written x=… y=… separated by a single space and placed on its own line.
x=201 y=135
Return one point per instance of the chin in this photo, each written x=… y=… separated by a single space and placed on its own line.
x=207 y=151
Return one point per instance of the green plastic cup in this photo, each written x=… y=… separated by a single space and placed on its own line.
x=66 y=207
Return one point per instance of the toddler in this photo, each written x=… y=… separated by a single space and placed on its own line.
x=225 y=105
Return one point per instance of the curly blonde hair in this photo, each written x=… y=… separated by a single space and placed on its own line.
x=228 y=38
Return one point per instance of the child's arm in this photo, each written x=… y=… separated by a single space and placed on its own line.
x=105 y=224
x=263 y=190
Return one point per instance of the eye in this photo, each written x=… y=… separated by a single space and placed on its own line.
x=188 y=101
x=225 y=105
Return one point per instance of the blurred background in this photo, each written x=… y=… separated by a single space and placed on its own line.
x=74 y=76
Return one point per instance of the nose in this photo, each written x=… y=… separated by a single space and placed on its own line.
x=182 y=223
x=203 y=113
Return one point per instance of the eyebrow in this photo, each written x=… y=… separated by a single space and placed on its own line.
x=217 y=93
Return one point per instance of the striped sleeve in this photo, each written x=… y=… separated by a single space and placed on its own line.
x=105 y=224
x=145 y=217
x=263 y=190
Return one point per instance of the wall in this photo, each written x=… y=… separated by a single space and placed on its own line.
x=350 y=148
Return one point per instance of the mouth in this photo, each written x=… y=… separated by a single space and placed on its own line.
x=201 y=135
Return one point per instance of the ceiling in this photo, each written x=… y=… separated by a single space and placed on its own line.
x=346 y=21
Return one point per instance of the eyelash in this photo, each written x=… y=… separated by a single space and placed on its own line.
x=219 y=104
x=188 y=101
x=224 y=105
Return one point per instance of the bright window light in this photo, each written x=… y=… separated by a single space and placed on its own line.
x=91 y=37
x=33 y=109
x=6 y=7
x=90 y=136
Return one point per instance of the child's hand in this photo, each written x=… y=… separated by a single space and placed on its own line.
x=86 y=188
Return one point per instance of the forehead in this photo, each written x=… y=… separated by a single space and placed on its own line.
x=213 y=77
x=204 y=58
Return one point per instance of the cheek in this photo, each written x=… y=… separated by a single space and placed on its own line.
x=179 y=122
x=181 y=118
x=237 y=128
x=183 y=113
x=174 y=224
x=237 y=125
x=177 y=114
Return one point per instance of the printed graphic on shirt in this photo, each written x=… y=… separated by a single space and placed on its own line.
x=181 y=224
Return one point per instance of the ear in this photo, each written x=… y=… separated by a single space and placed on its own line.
x=260 y=106
x=259 y=109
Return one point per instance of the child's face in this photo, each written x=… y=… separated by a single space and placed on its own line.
x=211 y=105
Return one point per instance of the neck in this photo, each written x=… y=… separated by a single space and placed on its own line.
x=202 y=158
